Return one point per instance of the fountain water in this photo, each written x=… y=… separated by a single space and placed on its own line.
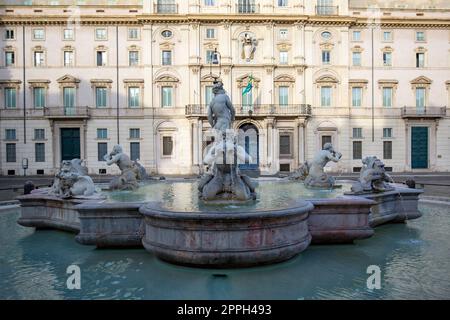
x=223 y=219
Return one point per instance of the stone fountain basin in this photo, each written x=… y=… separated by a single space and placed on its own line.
x=223 y=240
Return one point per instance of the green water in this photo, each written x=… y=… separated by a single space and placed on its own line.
x=414 y=259
x=183 y=195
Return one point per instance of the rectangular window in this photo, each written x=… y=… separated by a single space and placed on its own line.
x=133 y=33
x=387 y=36
x=387 y=59
x=325 y=96
x=247 y=99
x=135 y=151
x=68 y=58
x=10 y=152
x=38 y=34
x=68 y=97
x=284 y=34
x=420 y=98
x=39 y=134
x=209 y=56
x=39 y=152
x=387 y=97
x=133 y=58
x=210 y=3
x=10 y=134
x=357 y=133
x=387 y=149
x=39 y=97
x=134 y=97
x=166 y=58
x=282 y=3
x=284 y=57
x=420 y=60
x=356 y=35
x=102 y=150
x=10 y=98
x=326 y=57
x=101 y=34
x=9 y=34
x=357 y=150
x=102 y=133
x=135 y=133
x=68 y=34
x=10 y=58
x=283 y=95
x=387 y=132
x=356 y=97
x=420 y=36
x=38 y=58
x=167 y=146
x=326 y=139
x=208 y=94
x=211 y=33
x=167 y=96
x=100 y=97
x=285 y=145
x=356 y=59
x=101 y=58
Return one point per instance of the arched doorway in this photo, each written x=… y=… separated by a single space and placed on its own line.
x=249 y=139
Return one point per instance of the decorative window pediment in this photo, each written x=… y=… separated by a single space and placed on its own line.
x=101 y=83
x=284 y=80
x=211 y=45
x=39 y=83
x=134 y=48
x=10 y=83
x=284 y=46
x=210 y=78
x=357 y=49
x=101 y=48
x=68 y=79
x=243 y=81
x=167 y=80
x=134 y=83
x=387 y=83
x=166 y=45
x=387 y=49
x=326 y=46
x=420 y=50
x=327 y=80
x=358 y=83
x=421 y=81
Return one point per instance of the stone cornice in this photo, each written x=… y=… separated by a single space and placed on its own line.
x=142 y=19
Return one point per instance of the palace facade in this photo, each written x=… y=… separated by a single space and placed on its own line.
x=77 y=77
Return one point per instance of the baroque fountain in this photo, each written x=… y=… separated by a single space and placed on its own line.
x=225 y=218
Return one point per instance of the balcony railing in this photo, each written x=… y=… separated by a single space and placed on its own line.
x=256 y=110
x=247 y=8
x=166 y=8
x=327 y=10
x=67 y=112
x=425 y=112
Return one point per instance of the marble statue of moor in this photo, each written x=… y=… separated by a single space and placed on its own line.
x=221 y=112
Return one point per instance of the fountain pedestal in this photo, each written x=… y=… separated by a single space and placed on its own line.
x=220 y=239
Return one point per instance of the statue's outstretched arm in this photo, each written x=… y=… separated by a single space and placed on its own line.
x=231 y=107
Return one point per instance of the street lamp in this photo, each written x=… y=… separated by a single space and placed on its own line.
x=215 y=59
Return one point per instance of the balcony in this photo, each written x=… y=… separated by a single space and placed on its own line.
x=247 y=8
x=424 y=113
x=266 y=110
x=67 y=113
x=327 y=10
x=164 y=8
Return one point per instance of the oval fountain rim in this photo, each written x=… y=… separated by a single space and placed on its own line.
x=154 y=209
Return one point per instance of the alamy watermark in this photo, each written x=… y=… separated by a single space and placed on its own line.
x=374 y=280
x=74 y=280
